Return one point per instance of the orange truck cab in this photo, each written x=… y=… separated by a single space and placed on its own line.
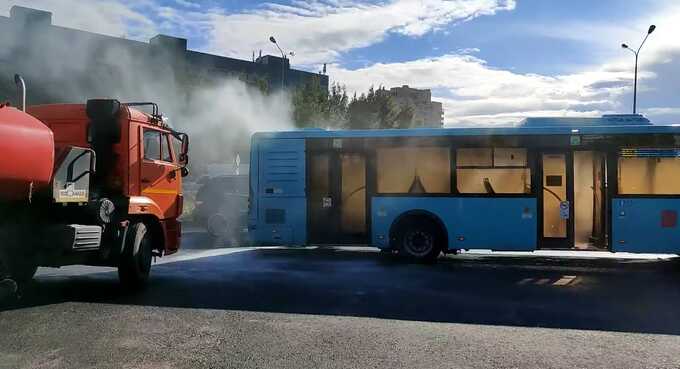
x=114 y=198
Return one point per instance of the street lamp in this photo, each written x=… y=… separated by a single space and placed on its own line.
x=283 y=60
x=637 y=53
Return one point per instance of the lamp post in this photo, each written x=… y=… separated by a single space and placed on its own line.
x=637 y=53
x=283 y=60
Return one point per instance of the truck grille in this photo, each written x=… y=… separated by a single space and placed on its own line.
x=86 y=237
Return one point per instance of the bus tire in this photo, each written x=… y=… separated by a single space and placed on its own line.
x=419 y=239
x=135 y=262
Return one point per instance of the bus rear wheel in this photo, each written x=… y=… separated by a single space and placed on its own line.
x=419 y=240
x=135 y=262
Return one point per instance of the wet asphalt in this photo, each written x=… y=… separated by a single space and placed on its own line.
x=350 y=308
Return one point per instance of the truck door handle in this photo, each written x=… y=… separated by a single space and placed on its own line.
x=144 y=180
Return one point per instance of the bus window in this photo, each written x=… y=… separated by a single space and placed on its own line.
x=649 y=176
x=493 y=171
x=511 y=157
x=414 y=170
x=474 y=157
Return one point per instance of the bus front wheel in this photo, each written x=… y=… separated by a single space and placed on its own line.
x=419 y=240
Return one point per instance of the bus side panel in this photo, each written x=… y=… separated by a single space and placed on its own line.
x=282 y=211
x=503 y=224
x=253 y=191
x=646 y=225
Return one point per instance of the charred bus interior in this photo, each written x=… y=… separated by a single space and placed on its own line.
x=570 y=178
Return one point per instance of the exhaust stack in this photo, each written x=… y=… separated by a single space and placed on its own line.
x=21 y=90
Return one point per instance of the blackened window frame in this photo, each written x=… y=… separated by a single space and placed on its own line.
x=530 y=164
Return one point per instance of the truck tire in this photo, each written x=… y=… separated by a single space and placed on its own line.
x=18 y=266
x=418 y=240
x=135 y=261
x=23 y=272
x=218 y=226
x=8 y=289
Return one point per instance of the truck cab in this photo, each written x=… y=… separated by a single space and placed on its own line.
x=116 y=192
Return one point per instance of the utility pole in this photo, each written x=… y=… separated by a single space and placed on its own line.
x=283 y=61
x=637 y=53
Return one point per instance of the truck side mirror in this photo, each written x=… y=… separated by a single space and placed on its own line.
x=185 y=172
x=184 y=155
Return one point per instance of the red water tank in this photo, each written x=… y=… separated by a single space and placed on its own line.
x=26 y=154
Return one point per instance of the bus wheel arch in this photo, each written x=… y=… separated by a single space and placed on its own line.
x=419 y=235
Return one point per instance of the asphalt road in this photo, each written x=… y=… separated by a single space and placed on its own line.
x=350 y=308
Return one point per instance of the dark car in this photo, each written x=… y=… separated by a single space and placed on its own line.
x=222 y=207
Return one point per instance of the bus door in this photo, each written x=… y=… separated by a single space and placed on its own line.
x=337 y=197
x=556 y=204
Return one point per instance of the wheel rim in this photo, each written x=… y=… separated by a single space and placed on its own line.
x=419 y=242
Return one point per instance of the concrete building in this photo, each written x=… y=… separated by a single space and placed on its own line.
x=426 y=113
x=63 y=64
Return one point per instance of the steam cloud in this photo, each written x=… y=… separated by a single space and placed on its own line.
x=218 y=110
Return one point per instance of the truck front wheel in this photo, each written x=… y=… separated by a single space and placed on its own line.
x=135 y=261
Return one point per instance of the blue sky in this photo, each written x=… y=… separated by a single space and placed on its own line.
x=507 y=40
x=488 y=61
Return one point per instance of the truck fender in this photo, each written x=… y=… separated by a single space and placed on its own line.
x=142 y=205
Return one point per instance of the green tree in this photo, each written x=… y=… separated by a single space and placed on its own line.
x=374 y=109
x=336 y=113
x=308 y=103
x=405 y=117
x=360 y=113
x=316 y=107
x=262 y=84
x=386 y=110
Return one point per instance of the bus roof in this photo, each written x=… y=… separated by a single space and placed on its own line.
x=607 y=124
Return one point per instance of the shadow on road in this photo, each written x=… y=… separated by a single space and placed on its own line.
x=598 y=294
x=195 y=237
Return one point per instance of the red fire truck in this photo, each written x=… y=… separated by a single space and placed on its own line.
x=95 y=184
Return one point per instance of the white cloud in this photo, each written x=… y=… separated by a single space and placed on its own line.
x=319 y=31
x=471 y=90
x=478 y=92
x=468 y=50
x=188 y=4
x=115 y=18
x=665 y=110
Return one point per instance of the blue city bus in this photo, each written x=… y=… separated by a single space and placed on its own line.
x=610 y=183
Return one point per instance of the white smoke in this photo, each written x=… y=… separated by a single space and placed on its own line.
x=219 y=110
x=223 y=117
